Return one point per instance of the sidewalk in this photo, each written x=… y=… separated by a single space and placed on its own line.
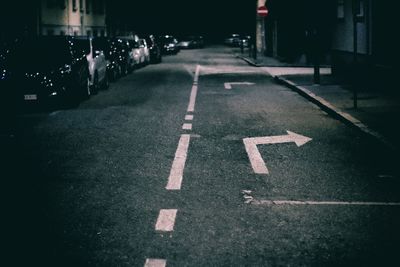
x=378 y=110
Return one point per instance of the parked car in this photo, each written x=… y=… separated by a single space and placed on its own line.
x=132 y=44
x=232 y=40
x=97 y=63
x=191 y=42
x=144 y=52
x=46 y=69
x=112 y=56
x=124 y=58
x=245 y=40
x=169 y=44
x=155 y=48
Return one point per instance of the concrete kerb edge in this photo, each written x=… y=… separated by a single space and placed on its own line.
x=334 y=112
x=249 y=61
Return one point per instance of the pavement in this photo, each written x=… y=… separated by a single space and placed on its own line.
x=378 y=108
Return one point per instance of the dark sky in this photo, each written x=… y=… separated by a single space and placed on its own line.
x=211 y=18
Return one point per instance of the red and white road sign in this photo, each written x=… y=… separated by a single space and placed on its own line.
x=262 y=11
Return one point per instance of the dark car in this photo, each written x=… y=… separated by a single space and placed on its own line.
x=124 y=58
x=233 y=40
x=45 y=69
x=192 y=41
x=155 y=48
x=169 y=44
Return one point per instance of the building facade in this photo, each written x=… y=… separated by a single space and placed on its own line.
x=364 y=38
x=72 y=17
x=297 y=31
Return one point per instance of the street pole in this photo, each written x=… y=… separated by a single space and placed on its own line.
x=255 y=34
x=317 y=76
x=355 y=59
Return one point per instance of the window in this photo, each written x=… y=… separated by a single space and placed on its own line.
x=88 y=6
x=56 y=3
x=340 y=9
x=74 y=6
x=359 y=8
x=81 y=5
x=62 y=4
x=98 y=6
x=102 y=33
x=95 y=33
x=89 y=33
x=50 y=3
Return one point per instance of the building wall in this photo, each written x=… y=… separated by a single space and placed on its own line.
x=343 y=39
x=73 y=17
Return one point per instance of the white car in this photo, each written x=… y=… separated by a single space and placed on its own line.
x=134 y=51
x=97 y=63
x=144 y=52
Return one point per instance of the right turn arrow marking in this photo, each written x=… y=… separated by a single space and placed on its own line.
x=255 y=157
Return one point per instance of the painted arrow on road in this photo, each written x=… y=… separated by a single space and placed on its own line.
x=228 y=86
x=255 y=157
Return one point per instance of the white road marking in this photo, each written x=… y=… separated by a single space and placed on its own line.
x=196 y=74
x=187 y=126
x=332 y=203
x=178 y=165
x=229 y=69
x=189 y=117
x=192 y=100
x=166 y=220
x=228 y=86
x=155 y=263
x=254 y=155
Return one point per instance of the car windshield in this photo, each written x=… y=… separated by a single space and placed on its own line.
x=82 y=45
x=169 y=40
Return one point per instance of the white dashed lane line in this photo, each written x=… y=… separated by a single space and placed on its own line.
x=166 y=220
x=187 y=126
x=155 y=263
x=178 y=165
x=193 y=93
x=189 y=117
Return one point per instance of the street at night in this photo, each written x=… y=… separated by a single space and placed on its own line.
x=210 y=133
x=87 y=186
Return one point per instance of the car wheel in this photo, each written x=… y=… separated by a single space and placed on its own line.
x=106 y=83
x=96 y=85
x=113 y=74
x=124 y=70
x=86 y=89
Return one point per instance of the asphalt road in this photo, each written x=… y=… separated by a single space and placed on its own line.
x=85 y=186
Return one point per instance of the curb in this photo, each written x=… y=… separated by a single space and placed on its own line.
x=250 y=62
x=335 y=112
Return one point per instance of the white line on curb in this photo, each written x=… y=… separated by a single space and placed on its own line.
x=166 y=220
x=178 y=165
x=155 y=263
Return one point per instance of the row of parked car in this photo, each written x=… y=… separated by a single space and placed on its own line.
x=238 y=40
x=67 y=69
